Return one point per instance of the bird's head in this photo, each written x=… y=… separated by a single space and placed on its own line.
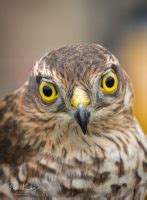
x=74 y=91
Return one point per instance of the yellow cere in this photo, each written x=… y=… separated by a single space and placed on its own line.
x=48 y=92
x=109 y=83
x=79 y=96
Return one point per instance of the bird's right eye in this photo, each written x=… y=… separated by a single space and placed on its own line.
x=48 y=92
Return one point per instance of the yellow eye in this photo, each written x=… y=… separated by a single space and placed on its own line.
x=109 y=83
x=48 y=92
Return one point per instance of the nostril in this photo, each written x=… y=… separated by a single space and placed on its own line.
x=75 y=102
x=72 y=104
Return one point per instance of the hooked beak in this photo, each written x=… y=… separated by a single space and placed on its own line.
x=82 y=116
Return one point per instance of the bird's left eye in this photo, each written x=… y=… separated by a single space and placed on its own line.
x=48 y=92
x=109 y=82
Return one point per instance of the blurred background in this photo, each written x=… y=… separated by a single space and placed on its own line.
x=28 y=29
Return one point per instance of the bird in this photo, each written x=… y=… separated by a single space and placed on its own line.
x=70 y=131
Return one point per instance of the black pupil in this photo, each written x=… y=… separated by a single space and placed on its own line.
x=47 y=91
x=110 y=82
